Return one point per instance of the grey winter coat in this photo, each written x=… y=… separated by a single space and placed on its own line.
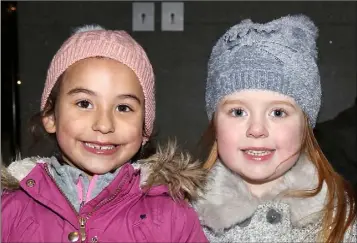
x=230 y=213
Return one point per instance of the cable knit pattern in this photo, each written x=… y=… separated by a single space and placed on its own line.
x=93 y=41
x=279 y=56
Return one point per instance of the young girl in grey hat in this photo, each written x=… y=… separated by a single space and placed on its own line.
x=269 y=180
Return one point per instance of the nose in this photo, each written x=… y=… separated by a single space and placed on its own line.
x=104 y=122
x=257 y=129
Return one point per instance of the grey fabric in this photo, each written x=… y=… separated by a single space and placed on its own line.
x=66 y=178
x=230 y=213
x=278 y=56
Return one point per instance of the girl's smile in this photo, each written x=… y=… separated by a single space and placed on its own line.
x=99 y=116
x=260 y=154
x=259 y=134
x=101 y=148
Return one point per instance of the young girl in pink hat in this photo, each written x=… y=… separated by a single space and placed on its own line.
x=99 y=104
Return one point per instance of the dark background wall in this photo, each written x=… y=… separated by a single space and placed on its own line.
x=9 y=75
x=179 y=58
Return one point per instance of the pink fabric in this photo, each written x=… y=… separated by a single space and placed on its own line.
x=117 y=45
x=89 y=191
x=90 y=188
x=38 y=212
x=80 y=191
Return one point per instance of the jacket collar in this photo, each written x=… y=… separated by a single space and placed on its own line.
x=174 y=171
x=228 y=201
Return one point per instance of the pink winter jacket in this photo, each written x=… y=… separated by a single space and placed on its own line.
x=35 y=210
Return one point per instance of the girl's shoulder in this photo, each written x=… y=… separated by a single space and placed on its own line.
x=13 y=199
x=18 y=170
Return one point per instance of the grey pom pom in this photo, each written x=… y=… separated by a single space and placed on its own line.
x=89 y=27
x=303 y=33
x=304 y=23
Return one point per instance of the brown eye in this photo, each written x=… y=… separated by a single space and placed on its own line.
x=84 y=104
x=124 y=108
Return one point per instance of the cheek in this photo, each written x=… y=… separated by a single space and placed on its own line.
x=136 y=118
x=71 y=122
x=289 y=137
x=229 y=130
x=228 y=135
x=131 y=128
x=225 y=138
x=69 y=129
x=132 y=132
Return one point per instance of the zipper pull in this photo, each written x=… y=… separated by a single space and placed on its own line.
x=82 y=228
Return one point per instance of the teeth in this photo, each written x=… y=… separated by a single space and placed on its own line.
x=107 y=147
x=257 y=153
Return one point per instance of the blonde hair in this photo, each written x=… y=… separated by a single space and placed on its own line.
x=340 y=210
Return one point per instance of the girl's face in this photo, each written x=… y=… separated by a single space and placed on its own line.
x=259 y=134
x=99 y=115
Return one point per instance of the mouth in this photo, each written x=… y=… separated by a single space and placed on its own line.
x=258 y=154
x=100 y=148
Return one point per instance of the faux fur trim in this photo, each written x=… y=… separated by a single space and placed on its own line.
x=7 y=180
x=183 y=176
x=169 y=166
x=17 y=170
x=228 y=201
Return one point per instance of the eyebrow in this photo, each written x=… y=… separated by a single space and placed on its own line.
x=92 y=93
x=278 y=102
x=130 y=96
x=81 y=90
x=228 y=102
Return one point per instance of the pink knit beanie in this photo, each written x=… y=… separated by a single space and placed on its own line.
x=93 y=41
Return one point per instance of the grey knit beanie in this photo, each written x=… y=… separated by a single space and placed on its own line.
x=278 y=56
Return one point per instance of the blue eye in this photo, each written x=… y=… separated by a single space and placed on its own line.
x=238 y=112
x=84 y=104
x=123 y=108
x=278 y=113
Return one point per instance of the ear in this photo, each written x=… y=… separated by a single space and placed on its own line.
x=49 y=123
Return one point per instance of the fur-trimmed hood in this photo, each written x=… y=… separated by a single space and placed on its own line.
x=228 y=201
x=168 y=166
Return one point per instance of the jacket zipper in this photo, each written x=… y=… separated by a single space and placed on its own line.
x=82 y=228
x=83 y=220
x=102 y=203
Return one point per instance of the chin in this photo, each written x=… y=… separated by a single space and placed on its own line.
x=99 y=171
x=256 y=179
